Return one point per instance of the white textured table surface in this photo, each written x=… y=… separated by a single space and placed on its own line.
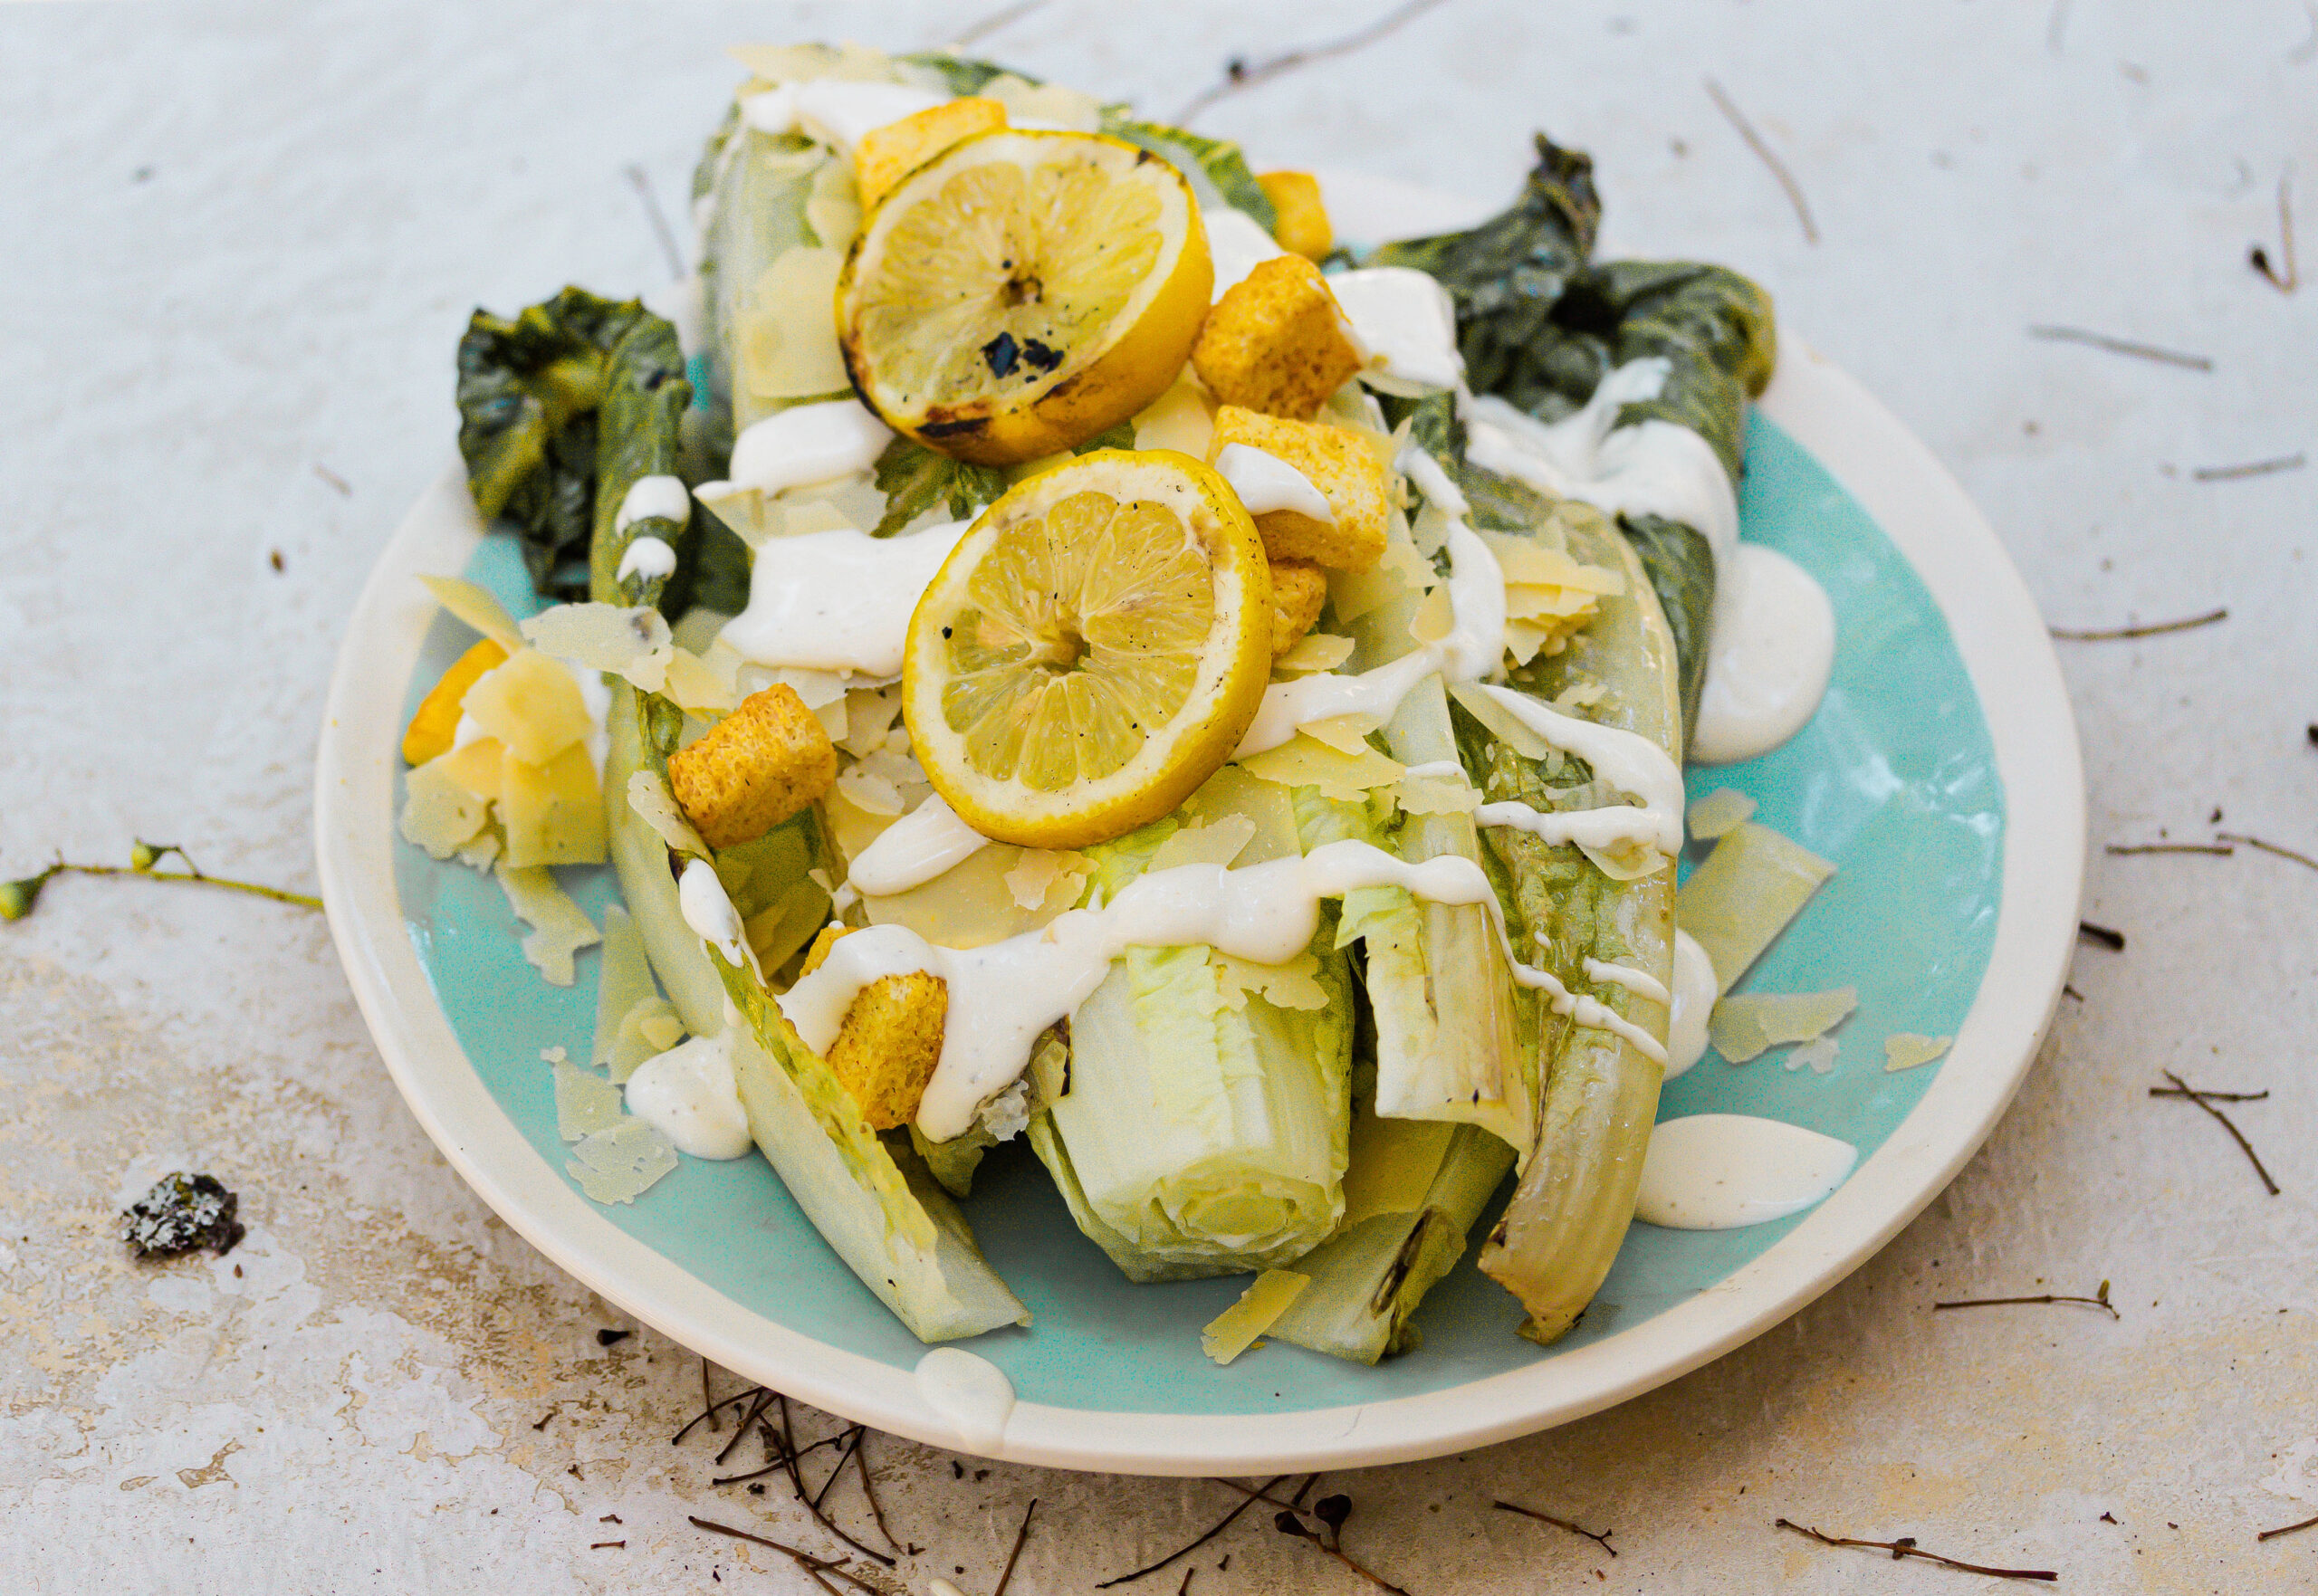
x=240 y=245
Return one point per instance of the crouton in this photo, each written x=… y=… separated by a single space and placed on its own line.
x=1335 y=459
x=1302 y=226
x=1298 y=589
x=757 y=767
x=818 y=951
x=886 y=155
x=436 y=723
x=1276 y=341
x=891 y=1039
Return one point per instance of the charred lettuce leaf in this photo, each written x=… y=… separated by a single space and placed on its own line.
x=530 y=390
x=1680 y=564
x=914 y=479
x=1214 y=168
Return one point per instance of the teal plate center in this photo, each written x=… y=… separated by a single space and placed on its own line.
x=1895 y=780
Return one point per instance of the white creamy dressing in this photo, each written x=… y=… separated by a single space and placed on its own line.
x=648 y=556
x=708 y=909
x=1718 y=1171
x=1639 y=982
x=1774 y=649
x=1404 y=323
x=1694 y=995
x=927 y=842
x=1652 y=468
x=1266 y=482
x=1626 y=759
x=1237 y=244
x=1589 y=1012
x=1472 y=649
x=1435 y=767
x=653 y=498
x=595 y=697
x=1001 y=995
x=805 y=443
x=971 y=1393
x=838 y=600
x=689 y=1095
x=834 y=111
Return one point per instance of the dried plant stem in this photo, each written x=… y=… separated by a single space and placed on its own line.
x=2098 y=1300
x=2267 y=848
x=1003 y=17
x=1021 y=1535
x=2120 y=346
x=674 y=256
x=1769 y=158
x=1905 y=1546
x=2210 y=1096
x=2237 y=1135
x=2114 y=940
x=1602 y=1540
x=2222 y=848
x=17 y=897
x=869 y=1491
x=813 y=1565
x=2287 y=280
x=1240 y=76
x=2284 y=1529
x=1220 y=1526
x=2153 y=629
x=2230 y=473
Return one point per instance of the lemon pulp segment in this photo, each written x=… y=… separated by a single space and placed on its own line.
x=1091 y=652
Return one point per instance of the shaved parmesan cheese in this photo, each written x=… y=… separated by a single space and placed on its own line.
x=620 y=1164
x=560 y=927
x=476 y=767
x=1434 y=620
x=1346 y=733
x=1293 y=985
x=1500 y=722
x=1182 y=419
x=1313 y=651
x=833 y=210
x=1749 y=888
x=622 y=980
x=1302 y=762
x=1400 y=573
x=554 y=814
x=1033 y=881
x=869 y=717
x=1046 y=105
x=694 y=688
x=1819 y=1053
x=1435 y=793
x=788 y=335
x=648 y=795
x=1237 y=1327
x=1745 y=1024
x=601 y=636
x=870 y=792
x=1908 y=1050
x=648 y=1019
x=477 y=608
x=1719 y=812
x=1217 y=842
x=478 y=854
x=584 y=1102
x=438 y=813
x=529 y=704
x=1579 y=695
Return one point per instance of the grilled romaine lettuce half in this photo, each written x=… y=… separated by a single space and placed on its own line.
x=1199 y=1127
x=1541 y=324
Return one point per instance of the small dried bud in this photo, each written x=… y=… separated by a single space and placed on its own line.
x=1287 y=1523
x=1333 y=1511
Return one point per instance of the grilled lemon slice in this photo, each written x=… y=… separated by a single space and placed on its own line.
x=1022 y=292
x=1093 y=649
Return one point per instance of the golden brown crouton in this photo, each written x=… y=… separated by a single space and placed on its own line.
x=1276 y=341
x=1298 y=589
x=1302 y=225
x=891 y=1039
x=819 y=949
x=756 y=766
x=1338 y=461
x=887 y=154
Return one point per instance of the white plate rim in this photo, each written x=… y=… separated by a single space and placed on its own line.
x=2007 y=656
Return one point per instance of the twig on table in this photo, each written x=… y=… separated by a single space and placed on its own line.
x=764 y=1395
x=2151 y=629
x=2200 y=1099
x=1602 y=1540
x=1220 y=1526
x=660 y=229
x=1905 y=1546
x=2267 y=848
x=2260 y=1096
x=1021 y=1535
x=813 y=1565
x=811 y=1503
x=2222 y=848
x=1240 y=75
x=2114 y=940
x=2230 y=473
x=17 y=897
x=2120 y=346
x=2288 y=280
x=869 y=1491
x=707 y=1403
x=2283 y=1529
x=2100 y=1300
x=1005 y=17
x=345 y=489
x=1769 y=158
x=857 y=1432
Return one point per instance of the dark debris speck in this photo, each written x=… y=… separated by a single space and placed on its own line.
x=180 y=1212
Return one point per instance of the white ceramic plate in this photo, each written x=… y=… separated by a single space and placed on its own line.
x=2001 y=641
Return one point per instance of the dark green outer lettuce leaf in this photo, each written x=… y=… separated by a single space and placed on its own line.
x=638 y=434
x=1218 y=173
